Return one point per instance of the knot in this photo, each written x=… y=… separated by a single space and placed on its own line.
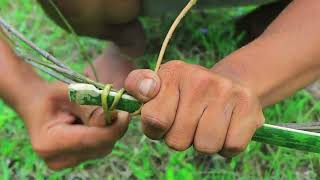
x=104 y=101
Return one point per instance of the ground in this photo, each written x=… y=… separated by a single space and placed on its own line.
x=203 y=38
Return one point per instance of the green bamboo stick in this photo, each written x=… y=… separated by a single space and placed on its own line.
x=86 y=94
x=287 y=137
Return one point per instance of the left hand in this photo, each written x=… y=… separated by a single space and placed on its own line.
x=190 y=105
x=65 y=134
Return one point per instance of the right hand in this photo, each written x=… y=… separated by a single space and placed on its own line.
x=65 y=134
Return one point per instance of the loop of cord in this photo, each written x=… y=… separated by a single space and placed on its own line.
x=104 y=101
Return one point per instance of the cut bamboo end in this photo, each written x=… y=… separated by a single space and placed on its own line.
x=87 y=94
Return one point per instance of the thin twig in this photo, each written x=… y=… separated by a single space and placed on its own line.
x=171 y=31
x=42 y=52
x=309 y=126
x=50 y=72
x=76 y=77
x=57 y=66
x=4 y=35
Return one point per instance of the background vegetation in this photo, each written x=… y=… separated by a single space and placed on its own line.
x=205 y=38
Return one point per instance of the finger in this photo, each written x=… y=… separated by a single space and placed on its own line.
x=69 y=160
x=213 y=126
x=89 y=115
x=244 y=123
x=190 y=109
x=61 y=97
x=92 y=116
x=143 y=84
x=97 y=117
x=68 y=137
x=158 y=114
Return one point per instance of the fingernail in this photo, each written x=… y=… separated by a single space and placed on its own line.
x=146 y=87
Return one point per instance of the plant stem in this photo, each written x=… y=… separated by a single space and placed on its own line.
x=171 y=31
x=50 y=72
x=57 y=65
x=72 y=75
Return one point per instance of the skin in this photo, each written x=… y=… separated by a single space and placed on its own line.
x=62 y=133
x=214 y=110
x=217 y=110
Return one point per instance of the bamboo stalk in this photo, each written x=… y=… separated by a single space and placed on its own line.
x=85 y=94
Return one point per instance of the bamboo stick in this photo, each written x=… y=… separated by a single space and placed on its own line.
x=87 y=94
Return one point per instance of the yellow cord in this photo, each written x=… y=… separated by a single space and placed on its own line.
x=104 y=101
x=137 y=112
x=116 y=99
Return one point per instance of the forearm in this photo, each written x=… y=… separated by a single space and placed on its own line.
x=284 y=59
x=19 y=84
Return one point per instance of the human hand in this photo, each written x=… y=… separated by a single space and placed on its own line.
x=190 y=105
x=65 y=134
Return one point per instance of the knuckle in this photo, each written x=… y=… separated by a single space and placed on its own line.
x=173 y=64
x=169 y=69
x=260 y=120
x=176 y=144
x=55 y=166
x=60 y=164
x=155 y=123
x=201 y=81
x=206 y=148
x=248 y=104
x=235 y=147
x=223 y=85
x=42 y=150
x=244 y=94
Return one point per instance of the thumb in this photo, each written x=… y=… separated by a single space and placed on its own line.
x=143 y=84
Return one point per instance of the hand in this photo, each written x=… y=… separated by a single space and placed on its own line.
x=189 y=105
x=65 y=134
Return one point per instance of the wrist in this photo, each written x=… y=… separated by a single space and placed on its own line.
x=243 y=68
x=235 y=72
x=26 y=94
x=19 y=84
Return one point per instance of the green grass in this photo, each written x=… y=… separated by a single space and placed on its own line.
x=135 y=156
